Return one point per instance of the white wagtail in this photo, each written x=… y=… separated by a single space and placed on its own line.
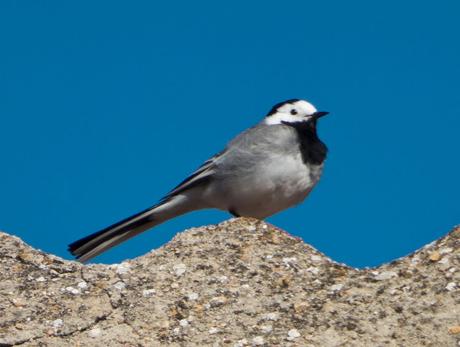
x=264 y=170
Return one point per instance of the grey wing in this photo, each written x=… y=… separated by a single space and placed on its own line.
x=201 y=176
x=239 y=154
x=253 y=147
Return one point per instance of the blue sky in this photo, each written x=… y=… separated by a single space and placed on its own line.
x=105 y=106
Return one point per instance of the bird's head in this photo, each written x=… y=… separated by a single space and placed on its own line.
x=293 y=111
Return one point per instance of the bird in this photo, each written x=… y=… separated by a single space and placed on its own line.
x=265 y=169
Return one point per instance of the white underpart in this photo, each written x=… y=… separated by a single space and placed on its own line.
x=277 y=183
x=303 y=108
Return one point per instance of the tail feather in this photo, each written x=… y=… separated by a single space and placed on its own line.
x=92 y=245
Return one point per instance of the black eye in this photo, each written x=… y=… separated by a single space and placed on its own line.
x=293 y=112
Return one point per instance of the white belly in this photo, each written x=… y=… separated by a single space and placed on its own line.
x=270 y=188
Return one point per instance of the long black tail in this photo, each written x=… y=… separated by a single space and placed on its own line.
x=92 y=245
x=169 y=207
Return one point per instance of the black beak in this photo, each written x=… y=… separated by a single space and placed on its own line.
x=319 y=114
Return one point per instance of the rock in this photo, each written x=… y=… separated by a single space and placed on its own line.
x=271 y=316
x=240 y=283
x=258 y=341
x=122 y=268
x=147 y=293
x=454 y=330
x=241 y=343
x=293 y=334
x=72 y=290
x=192 y=296
x=451 y=286
x=58 y=323
x=120 y=285
x=266 y=329
x=82 y=285
x=385 y=275
x=213 y=330
x=336 y=287
x=179 y=269
x=435 y=256
x=93 y=333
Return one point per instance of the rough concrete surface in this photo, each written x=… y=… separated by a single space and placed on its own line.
x=239 y=283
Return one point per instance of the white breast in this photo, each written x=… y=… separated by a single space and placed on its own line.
x=275 y=185
x=292 y=179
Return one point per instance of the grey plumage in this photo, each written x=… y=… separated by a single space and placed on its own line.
x=265 y=169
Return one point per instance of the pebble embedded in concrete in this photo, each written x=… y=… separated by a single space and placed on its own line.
x=95 y=332
x=120 y=285
x=82 y=285
x=258 y=341
x=192 y=296
x=57 y=323
x=122 y=268
x=72 y=290
x=385 y=275
x=451 y=286
x=274 y=316
x=293 y=334
x=179 y=269
x=336 y=287
x=266 y=329
x=147 y=293
x=241 y=343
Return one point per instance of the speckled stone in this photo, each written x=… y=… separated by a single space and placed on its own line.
x=240 y=283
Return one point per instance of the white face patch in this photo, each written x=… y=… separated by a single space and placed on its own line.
x=298 y=111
